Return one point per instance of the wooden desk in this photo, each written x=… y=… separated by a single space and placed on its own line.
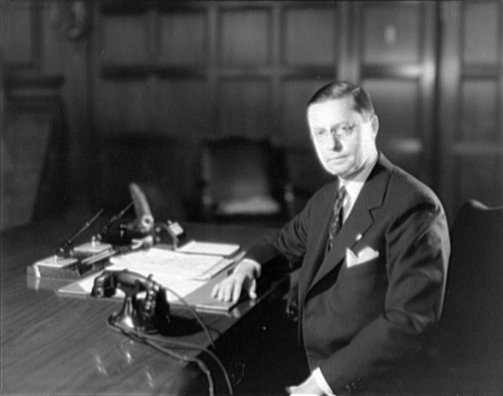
x=60 y=345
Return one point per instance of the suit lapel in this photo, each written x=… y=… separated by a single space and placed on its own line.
x=316 y=256
x=358 y=222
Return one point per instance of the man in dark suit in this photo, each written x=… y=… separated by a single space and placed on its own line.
x=374 y=246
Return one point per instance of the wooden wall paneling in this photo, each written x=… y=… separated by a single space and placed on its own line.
x=478 y=112
x=244 y=36
x=181 y=107
x=154 y=99
x=430 y=33
x=20 y=33
x=397 y=67
x=471 y=92
x=449 y=74
x=348 y=67
x=123 y=7
x=499 y=103
x=481 y=42
x=123 y=106
x=245 y=107
x=68 y=56
x=310 y=46
x=35 y=130
x=397 y=103
x=126 y=56
x=125 y=39
x=481 y=88
x=310 y=55
x=310 y=35
x=183 y=38
x=391 y=33
x=243 y=84
x=276 y=50
x=95 y=103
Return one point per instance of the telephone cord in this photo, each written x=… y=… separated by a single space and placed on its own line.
x=162 y=345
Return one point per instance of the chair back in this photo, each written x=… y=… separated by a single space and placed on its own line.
x=241 y=176
x=473 y=310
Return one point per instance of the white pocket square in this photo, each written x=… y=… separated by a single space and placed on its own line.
x=366 y=254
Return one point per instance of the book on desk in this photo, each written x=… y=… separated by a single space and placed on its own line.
x=189 y=272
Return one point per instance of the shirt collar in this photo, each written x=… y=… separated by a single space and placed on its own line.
x=354 y=186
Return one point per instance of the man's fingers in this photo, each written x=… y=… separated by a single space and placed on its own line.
x=230 y=288
x=218 y=289
x=227 y=291
x=252 y=291
x=236 y=292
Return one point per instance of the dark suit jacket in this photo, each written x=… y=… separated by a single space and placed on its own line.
x=358 y=322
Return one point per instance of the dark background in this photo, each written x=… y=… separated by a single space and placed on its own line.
x=97 y=93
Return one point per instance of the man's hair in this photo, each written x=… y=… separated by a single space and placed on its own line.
x=341 y=89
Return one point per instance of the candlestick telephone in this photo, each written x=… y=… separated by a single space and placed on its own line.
x=145 y=306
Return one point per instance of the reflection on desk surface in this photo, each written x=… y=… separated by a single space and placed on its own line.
x=56 y=345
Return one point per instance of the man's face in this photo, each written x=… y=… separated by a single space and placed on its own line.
x=344 y=141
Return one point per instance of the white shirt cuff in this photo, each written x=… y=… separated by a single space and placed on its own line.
x=322 y=383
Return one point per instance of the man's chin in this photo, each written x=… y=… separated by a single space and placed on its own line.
x=334 y=170
x=343 y=173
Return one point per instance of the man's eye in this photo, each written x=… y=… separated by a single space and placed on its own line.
x=320 y=133
x=346 y=129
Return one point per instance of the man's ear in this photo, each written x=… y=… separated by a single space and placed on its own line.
x=374 y=123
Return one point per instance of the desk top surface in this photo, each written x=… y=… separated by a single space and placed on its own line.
x=61 y=345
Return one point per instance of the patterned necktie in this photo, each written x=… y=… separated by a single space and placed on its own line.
x=336 y=223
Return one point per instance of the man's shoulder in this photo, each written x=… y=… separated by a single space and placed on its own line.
x=409 y=187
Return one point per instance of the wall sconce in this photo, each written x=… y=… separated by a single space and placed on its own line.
x=70 y=18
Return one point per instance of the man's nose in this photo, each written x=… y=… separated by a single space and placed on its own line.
x=337 y=145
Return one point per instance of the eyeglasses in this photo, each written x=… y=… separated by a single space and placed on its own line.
x=343 y=130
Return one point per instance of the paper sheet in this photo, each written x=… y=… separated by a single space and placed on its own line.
x=161 y=261
x=180 y=286
x=211 y=248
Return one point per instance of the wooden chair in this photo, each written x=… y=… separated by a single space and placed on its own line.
x=244 y=180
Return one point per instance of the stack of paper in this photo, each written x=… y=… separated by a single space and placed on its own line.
x=166 y=262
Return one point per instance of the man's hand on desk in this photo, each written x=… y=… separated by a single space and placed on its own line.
x=243 y=278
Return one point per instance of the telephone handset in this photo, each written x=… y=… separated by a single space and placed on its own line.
x=123 y=233
x=143 y=227
x=145 y=305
